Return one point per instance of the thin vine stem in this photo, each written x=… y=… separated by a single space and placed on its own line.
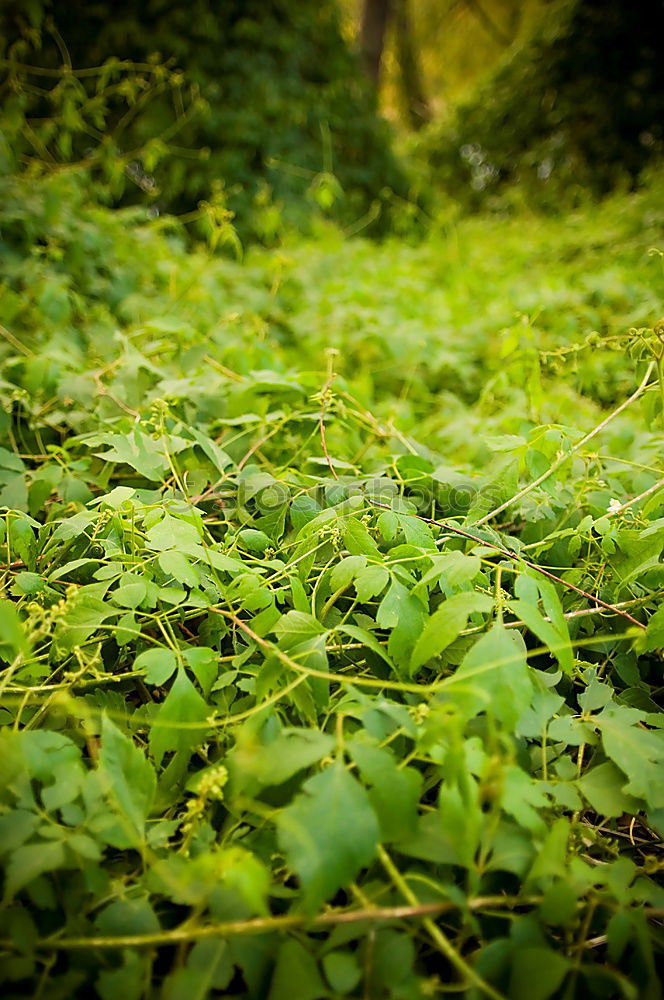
x=643 y=386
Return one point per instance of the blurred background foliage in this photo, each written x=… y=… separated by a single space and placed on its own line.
x=374 y=113
x=271 y=117
x=579 y=106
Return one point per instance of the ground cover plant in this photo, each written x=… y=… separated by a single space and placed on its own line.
x=331 y=630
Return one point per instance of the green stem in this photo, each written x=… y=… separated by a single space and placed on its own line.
x=440 y=940
x=569 y=454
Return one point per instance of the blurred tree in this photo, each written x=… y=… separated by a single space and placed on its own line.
x=288 y=121
x=432 y=52
x=416 y=106
x=488 y=23
x=373 y=24
x=376 y=17
x=580 y=104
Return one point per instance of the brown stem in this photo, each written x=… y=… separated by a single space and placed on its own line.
x=515 y=557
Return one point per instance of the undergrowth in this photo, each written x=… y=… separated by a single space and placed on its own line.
x=331 y=637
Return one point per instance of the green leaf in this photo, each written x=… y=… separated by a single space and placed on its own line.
x=357 y=539
x=602 y=787
x=27 y=583
x=176 y=724
x=296 y=975
x=452 y=570
x=21 y=531
x=371 y=581
x=16 y=826
x=367 y=639
x=295 y=627
x=638 y=752
x=432 y=841
x=46 y=752
x=131 y=592
x=209 y=967
x=655 y=631
x=204 y=664
x=342 y=971
x=417 y=533
x=460 y=817
x=127 y=916
x=12 y=635
x=255 y=541
x=30 y=861
x=559 y=905
x=445 y=624
x=129 y=779
x=242 y=871
x=393 y=958
x=551 y=860
x=537 y=973
x=158 y=664
x=126 y=981
x=172 y=533
x=345 y=570
x=144 y=454
x=217 y=455
x=8 y=460
x=522 y=797
x=494 y=676
x=177 y=565
x=275 y=762
x=388 y=525
x=559 y=644
x=84 y=614
x=394 y=792
x=328 y=834
x=403 y=615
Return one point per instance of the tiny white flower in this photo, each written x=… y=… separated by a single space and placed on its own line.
x=614 y=506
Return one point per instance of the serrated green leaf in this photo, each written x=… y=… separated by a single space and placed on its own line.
x=275 y=762
x=394 y=792
x=296 y=975
x=158 y=665
x=494 y=676
x=177 y=565
x=357 y=539
x=12 y=634
x=445 y=624
x=177 y=724
x=371 y=581
x=28 y=862
x=129 y=780
x=324 y=850
x=638 y=752
x=537 y=973
x=602 y=786
x=403 y=614
x=172 y=533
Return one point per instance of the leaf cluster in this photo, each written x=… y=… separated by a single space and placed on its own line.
x=287 y=707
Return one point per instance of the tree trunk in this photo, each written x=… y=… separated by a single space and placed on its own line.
x=375 y=14
x=415 y=102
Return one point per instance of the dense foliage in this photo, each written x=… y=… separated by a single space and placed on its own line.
x=288 y=709
x=580 y=106
x=259 y=103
